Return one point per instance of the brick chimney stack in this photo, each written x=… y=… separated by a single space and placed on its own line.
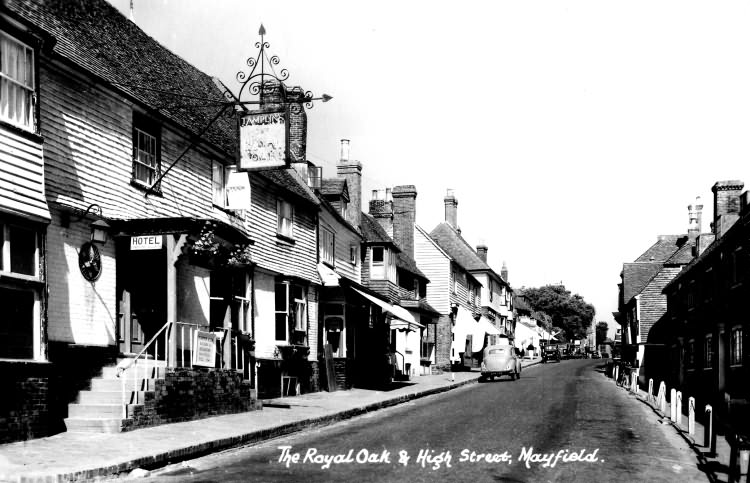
x=352 y=172
x=381 y=208
x=451 y=209
x=726 y=205
x=482 y=252
x=275 y=95
x=404 y=217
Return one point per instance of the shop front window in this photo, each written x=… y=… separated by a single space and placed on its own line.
x=20 y=293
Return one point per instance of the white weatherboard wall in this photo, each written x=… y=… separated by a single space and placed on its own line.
x=436 y=266
x=79 y=311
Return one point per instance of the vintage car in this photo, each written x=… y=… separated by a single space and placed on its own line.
x=501 y=360
x=551 y=354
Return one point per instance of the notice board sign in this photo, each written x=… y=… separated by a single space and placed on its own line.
x=238 y=191
x=204 y=349
x=146 y=242
x=264 y=140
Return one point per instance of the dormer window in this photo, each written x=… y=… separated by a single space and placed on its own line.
x=17 y=83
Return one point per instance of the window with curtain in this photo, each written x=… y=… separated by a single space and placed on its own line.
x=285 y=218
x=146 y=151
x=17 y=84
x=219 y=183
x=327 y=246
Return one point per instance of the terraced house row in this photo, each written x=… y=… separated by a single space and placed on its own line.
x=134 y=290
x=683 y=306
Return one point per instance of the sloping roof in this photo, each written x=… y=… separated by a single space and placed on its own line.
x=373 y=232
x=663 y=249
x=457 y=248
x=334 y=187
x=450 y=241
x=683 y=255
x=405 y=262
x=290 y=180
x=419 y=305
x=95 y=36
x=635 y=276
x=324 y=203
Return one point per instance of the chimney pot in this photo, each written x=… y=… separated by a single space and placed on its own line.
x=344 y=150
x=451 y=209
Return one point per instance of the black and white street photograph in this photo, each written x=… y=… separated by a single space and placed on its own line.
x=231 y=248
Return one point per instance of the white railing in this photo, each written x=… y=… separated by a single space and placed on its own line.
x=143 y=366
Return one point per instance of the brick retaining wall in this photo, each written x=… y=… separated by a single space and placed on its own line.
x=24 y=406
x=186 y=394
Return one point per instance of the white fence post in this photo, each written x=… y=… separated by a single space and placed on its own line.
x=615 y=372
x=650 y=390
x=678 y=409
x=673 y=405
x=691 y=416
x=661 y=400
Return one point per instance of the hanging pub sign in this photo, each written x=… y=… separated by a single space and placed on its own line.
x=204 y=349
x=264 y=140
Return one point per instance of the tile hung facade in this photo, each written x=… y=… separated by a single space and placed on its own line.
x=642 y=303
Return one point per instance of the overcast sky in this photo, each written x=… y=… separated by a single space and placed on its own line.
x=573 y=133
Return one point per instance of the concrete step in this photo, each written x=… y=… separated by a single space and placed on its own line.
x=159 y=363
x=113 y=385
x=102 y=397
x=148 y=370
x=87 y=411
x=94 y=425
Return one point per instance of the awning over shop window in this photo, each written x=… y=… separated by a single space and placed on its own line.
x=486 y=325
x=328 y=276
x=380 y=303
x=396 y=311
x=464 y=326
x=401 y=323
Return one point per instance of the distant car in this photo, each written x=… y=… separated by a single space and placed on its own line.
x=549 y=355
x=501 y=360
x=595 y=355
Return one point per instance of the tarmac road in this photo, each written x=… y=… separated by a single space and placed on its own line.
x=566 y=411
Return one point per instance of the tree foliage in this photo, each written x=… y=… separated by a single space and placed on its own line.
x=569 y=312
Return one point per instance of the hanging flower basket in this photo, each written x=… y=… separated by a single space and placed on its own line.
x=207 y=250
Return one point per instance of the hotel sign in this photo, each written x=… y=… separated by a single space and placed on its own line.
x=264 y=140
x=145 y=242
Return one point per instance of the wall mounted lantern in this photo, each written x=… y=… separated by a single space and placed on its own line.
x=89 y=258
x=99 y=230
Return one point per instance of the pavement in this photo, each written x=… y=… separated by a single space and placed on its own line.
x=75 y=456
x=716 y=465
